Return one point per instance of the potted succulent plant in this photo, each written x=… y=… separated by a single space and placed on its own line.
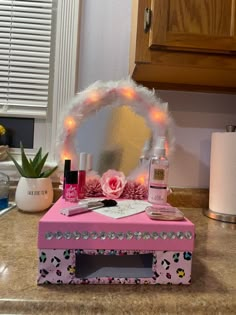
x=34 y=191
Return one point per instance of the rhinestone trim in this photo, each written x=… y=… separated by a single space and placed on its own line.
x=49 y=236
x=163 y=235
x=76 y=235
x=94 y=235
x=102 y=235
x=67 y=235
x=58 y=235
x=137 y=235
x=111 y=235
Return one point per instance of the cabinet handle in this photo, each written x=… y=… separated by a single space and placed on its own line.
x=147 y=19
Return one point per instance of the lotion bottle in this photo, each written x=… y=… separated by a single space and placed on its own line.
x=158 y=174
x=145 y=156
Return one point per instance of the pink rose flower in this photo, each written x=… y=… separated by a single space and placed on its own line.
x=113 y=183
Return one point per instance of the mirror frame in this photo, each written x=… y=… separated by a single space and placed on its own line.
x=112 y=93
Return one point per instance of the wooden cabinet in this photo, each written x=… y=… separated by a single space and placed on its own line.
x=184 y=44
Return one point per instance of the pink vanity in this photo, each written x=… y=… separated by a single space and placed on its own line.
x=92 y=248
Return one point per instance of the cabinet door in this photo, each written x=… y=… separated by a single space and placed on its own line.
x=194 y=25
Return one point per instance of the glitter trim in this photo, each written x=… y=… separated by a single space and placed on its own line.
x=137 y=235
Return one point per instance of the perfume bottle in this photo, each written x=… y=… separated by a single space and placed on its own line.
x=145 y=156
x=71 y=186
x=158 y=174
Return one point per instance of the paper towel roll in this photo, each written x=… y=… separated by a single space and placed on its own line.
x=222 y=191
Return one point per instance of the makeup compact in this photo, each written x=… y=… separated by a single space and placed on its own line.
x=164 y=212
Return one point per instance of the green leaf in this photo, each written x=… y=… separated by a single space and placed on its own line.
x=32 y=168
x=47 y=173
x=37 y=158
x=40 y=165
x=26 y=166
x=19 y=168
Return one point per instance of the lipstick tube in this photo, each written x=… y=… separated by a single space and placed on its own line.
x=82 y=175
x=67 y=165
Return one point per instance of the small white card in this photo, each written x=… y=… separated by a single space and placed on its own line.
x=123 y=209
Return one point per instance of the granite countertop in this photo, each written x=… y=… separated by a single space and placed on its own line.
x=213 y=288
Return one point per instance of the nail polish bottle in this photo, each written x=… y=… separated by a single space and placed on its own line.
x=67 y=166
x=71 y=186
x=82 y=175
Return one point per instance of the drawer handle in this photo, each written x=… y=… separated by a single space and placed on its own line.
x=147 y=19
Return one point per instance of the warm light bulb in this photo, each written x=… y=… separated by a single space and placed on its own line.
x=128 y=92
x=157 y=116
x=94 y=97
x=65 y=156
x=141 y=179
x=70 y=123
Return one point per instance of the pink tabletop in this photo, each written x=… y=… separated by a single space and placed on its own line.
x=53 y=222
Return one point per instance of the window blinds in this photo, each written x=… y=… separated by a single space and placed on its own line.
x=25 y=43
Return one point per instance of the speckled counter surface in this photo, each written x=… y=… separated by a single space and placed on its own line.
x=213 y=288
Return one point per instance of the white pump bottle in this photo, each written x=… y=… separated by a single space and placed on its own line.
x=158 y=174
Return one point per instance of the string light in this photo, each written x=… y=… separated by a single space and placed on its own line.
x=65 y=156
x=128 y=92
x=70 y=123
x=111 y=94
x=157 y=116
x=141 y=179
x=94 y=97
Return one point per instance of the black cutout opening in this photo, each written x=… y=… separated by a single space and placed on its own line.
x=126 y=266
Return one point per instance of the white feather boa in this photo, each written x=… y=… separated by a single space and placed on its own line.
x=112 y=93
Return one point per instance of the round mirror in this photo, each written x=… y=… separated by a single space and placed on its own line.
x=115 y=138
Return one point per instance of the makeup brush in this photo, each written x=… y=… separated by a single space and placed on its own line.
x=89 y=206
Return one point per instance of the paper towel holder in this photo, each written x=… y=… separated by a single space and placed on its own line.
x=229 y=218
x=224 y=208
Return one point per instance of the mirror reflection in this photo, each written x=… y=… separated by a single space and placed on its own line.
x=115 y=137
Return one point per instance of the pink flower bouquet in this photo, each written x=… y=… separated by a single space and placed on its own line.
x=134 y=190
x=93 y=187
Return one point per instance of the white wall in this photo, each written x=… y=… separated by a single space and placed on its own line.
x=196 y=116
x=104 y=46
x=104 y=51
x=104 y=55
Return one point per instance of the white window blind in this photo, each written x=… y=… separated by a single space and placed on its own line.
x=25 y=45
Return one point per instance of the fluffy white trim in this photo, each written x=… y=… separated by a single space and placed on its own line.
x=112 y=93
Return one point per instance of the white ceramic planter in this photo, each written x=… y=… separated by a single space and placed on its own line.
x=34 y=194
